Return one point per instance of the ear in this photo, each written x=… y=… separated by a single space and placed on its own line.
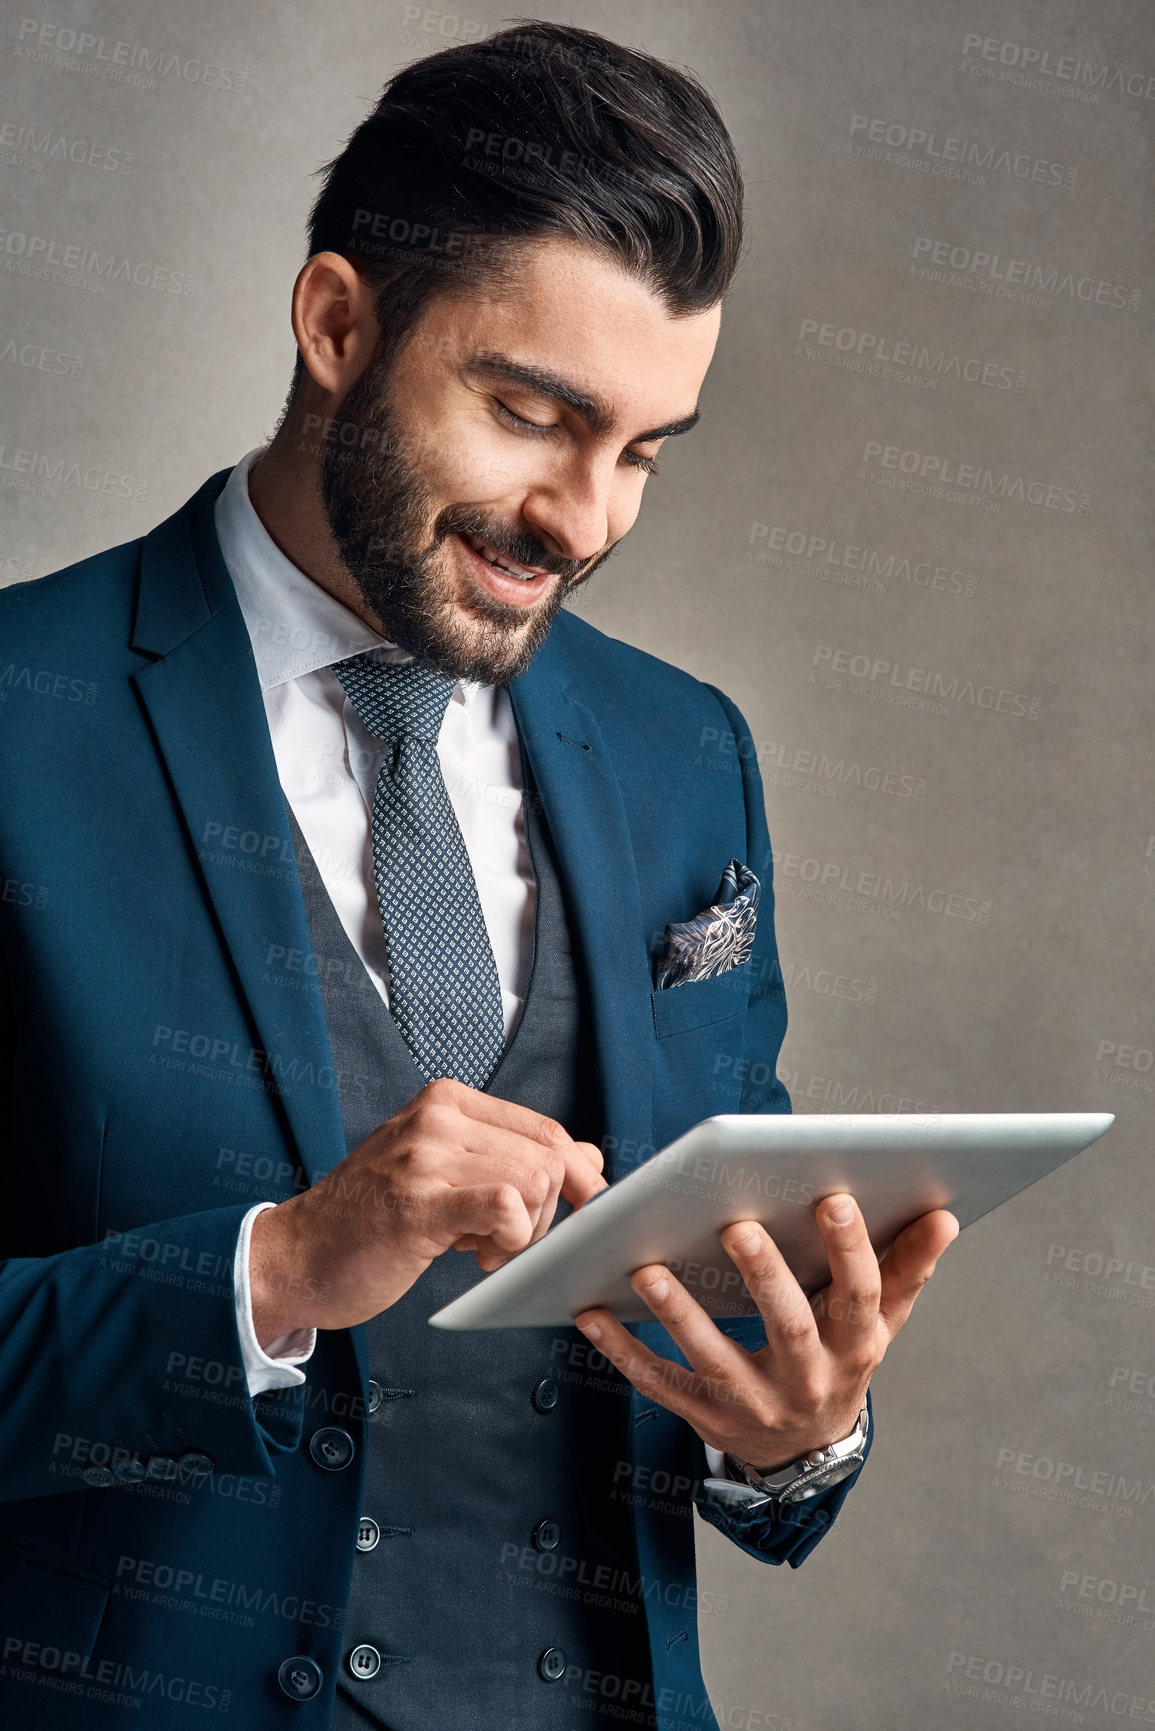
x=334 y=321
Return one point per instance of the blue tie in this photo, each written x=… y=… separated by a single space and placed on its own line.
x=443 y=986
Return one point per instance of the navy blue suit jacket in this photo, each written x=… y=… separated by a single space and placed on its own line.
x=163 y=1069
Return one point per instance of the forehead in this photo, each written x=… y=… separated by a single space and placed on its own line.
x=569 y=310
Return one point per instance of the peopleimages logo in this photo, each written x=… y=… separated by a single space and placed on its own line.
x=971 y=477
x=1039 y=63
x=124 y=62
x=39 y=255
x=45 y=474
x=876 y=348
x=1016 y=277
x=867 y=567
x=24 y=147
x=932 y=682
x=917 y=144
x=1010 y=1685
x=831 y=881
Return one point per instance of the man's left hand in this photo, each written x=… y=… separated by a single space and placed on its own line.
x=806 y=1387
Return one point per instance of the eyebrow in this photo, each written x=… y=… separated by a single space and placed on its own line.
x=594 y=410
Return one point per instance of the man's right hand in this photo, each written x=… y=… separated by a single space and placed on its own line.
x=455 y=1168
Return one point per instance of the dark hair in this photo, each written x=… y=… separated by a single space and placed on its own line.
x=541 y=130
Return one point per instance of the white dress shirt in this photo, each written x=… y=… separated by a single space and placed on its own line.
x=327 y=764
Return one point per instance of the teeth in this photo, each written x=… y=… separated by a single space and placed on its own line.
x=522 y=572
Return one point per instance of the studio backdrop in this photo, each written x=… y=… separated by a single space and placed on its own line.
x=911 y=537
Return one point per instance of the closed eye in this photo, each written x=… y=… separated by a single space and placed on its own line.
x=535 y=429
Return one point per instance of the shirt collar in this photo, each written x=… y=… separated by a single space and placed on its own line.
x=294 y=625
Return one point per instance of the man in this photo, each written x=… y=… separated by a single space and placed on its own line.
x=332 y=950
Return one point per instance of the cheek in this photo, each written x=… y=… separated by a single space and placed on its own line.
x=625 y=503
x=472 y=465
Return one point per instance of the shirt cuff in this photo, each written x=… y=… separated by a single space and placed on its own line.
x=275 y=1367
x=723 y=1485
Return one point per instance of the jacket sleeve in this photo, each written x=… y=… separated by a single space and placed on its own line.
x=121 y=1360
x=766 y=1007
x=778 y=1533
x=773 y=1534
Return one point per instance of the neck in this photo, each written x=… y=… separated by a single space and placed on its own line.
x=285 y=492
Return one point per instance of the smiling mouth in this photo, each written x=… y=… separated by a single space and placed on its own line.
x=518 y=586
x=501 y=561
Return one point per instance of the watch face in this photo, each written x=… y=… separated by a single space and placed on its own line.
x=821 y=1479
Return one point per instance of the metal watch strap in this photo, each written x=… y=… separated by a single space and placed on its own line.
x=813 y=1472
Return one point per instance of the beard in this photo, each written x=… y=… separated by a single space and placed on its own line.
x=393 y=542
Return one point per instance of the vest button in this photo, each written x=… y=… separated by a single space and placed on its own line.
x=544 y=1396
x=551 y=1666
x=368 y=1533
x=376 y=1395
x=98 y=1477
x=130 y=1471
x=546 y=1536
x=364 y=1662
x=300 y=1678
x=332 y=1448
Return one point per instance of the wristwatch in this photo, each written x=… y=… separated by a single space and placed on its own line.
x=815 y=1472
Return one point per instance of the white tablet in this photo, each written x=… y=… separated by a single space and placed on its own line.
x=770 y=1169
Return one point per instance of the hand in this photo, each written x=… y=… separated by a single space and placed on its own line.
x=805 y=1388
x=455 y=1168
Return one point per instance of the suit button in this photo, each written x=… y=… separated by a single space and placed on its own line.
x=546 y=1536
x=544 y=1396
x=98 y=1477
x=368 y=1533
x=300 y=1678
x=332 y=1448
x=195 y=1466
x=161 y=1468
x=551 y=1665
x=130 y=1472
x=376 y=1395
x=364 y=1662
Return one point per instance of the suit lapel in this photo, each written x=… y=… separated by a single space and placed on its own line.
x=204 y=702
x=583 y=808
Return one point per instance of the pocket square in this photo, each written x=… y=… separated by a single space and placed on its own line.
x=721 y=937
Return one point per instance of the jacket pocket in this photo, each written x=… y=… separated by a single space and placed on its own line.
x=697 y=1003
x=49 y=1604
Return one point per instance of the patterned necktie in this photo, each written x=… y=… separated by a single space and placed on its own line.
x=443 y=986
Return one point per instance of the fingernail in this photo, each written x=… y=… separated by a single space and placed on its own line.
x=659 y=1290
x=841 y=1213
x=591 y=1330
x=745 y=1243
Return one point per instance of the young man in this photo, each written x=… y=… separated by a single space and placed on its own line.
x=348 y=870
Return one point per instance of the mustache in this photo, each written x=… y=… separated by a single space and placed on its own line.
x=519 y=546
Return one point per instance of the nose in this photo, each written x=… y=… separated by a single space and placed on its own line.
x=575 y=516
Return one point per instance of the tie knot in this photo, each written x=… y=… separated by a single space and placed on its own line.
x=402 y=702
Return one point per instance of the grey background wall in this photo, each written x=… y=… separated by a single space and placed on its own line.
x=911 y=537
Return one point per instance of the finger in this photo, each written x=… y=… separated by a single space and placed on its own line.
x=546 y=1209
x=791 y=1331
x=493 y=1212
x=848 y=1307
x=491 y=1110
x=670 y=1385
x=583 y=1173
x=910 y=1262
x=705 y=1347
x=461 y=1151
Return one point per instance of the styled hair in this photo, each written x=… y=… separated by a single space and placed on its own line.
x=542 y=130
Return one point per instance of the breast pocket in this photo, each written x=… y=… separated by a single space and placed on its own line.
x=681 y=1009
x=699 y=1032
